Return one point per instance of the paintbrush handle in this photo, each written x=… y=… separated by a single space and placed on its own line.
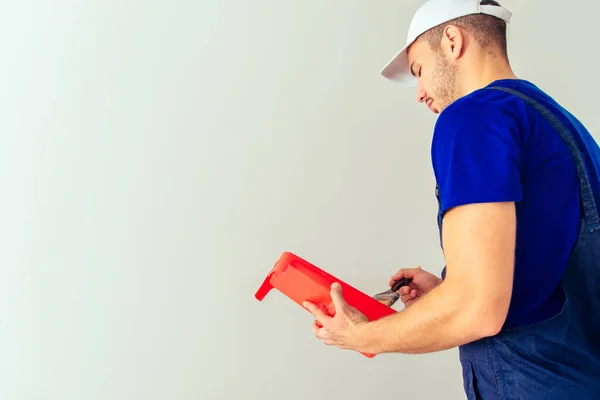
x=400 y=283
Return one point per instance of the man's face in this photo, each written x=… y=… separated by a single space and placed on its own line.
x=436 y=78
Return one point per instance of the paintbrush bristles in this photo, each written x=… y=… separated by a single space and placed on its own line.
x=388 y=297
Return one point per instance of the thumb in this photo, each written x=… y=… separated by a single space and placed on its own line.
x=338 y=298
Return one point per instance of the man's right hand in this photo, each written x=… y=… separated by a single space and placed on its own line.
x=422 y=283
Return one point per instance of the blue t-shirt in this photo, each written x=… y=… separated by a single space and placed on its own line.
x=489 y=146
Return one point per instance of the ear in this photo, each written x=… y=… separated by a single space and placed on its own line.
x=453 y=42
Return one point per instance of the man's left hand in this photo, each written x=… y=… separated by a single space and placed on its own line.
x=345 y=329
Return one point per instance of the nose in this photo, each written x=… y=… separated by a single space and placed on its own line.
x=421 y=94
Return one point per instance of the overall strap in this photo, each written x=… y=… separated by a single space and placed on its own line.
x=587 y=197
x=439 y=215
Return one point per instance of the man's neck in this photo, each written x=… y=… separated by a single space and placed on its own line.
x=486 y=70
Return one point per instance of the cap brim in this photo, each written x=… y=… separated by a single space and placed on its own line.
x=398 y=70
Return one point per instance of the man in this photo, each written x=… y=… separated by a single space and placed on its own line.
x=519 y=192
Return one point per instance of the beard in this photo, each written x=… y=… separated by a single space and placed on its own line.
x=444 y=83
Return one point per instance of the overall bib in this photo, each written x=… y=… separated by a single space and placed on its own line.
x=558 y=358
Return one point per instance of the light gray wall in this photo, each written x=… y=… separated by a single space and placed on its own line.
x=157 y=157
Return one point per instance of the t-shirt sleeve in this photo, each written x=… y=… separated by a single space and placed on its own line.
x=476 y=155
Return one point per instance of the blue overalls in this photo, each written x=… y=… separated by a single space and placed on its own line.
x=558 y=358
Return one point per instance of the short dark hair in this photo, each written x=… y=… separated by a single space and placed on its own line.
x=489 y=31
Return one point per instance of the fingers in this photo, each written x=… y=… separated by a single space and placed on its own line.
x=316 y=311
x=321 y=333
x=410 y=302
x=337 y=297
x=335 y=343
x=404 y=273
x=404 y=290
x=408 y=295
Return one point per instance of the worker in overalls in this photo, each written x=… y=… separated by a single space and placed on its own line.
x=518 y=188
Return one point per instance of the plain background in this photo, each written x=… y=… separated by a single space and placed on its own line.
x=158 y=157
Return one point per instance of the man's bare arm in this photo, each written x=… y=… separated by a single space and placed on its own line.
x=473 y=300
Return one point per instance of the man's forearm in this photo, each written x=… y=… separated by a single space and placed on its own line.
x=441 y=320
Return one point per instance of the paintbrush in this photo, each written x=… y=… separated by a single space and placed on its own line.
x=390 y=296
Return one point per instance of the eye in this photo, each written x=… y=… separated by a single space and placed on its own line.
x=419 y=73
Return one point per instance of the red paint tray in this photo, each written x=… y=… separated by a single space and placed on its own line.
x=302 y=281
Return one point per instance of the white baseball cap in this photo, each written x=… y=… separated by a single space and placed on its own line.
x=431 y=14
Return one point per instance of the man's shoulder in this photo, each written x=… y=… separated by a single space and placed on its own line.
x=489 y=101
x=488 y=108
